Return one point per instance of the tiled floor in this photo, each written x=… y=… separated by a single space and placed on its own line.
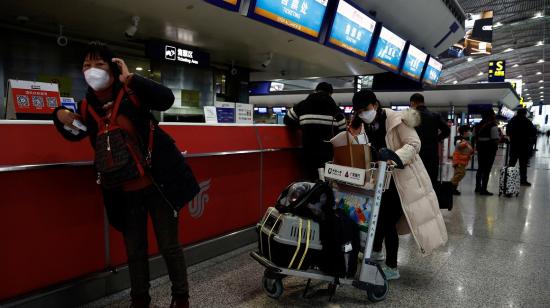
x=498 y=255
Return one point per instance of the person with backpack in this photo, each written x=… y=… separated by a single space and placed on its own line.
x=461 y=156
x=139 y=167
x=410 y=204
x=320 y=119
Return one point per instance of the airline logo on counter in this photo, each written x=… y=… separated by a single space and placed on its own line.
x=305 y=16
x=197 y=205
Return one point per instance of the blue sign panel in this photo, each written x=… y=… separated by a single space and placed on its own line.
x=351 y=30
x=303 y=17
x=389 y=50
x=433 y=71
x=225 y=115
x=414 y=63
x=232 y=5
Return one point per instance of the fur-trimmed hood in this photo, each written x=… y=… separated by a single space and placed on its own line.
x=409 y=117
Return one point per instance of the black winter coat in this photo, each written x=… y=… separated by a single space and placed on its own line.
x=431 y=132
x=522 y=133
x=169 y=169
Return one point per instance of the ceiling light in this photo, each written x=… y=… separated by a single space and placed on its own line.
x=470 y=59
x=541 y=88
x=538 y=15
x=520 y=76
x=480 y=74
x=539 y=73
x=541 y=81
x=498 y=24
x=515 y=65
x=455 y=82
x=541 y=92
x=540 y=43
x=540 y=61
x=508 y=49
x=139 y=68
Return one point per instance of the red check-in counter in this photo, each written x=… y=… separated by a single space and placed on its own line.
x=52 y=223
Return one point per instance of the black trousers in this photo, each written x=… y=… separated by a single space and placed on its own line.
x=137 y=206
x=386 y=229
x=522 y=154
x=486 y=152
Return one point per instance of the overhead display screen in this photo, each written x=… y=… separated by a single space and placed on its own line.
x=389 y=50
x=228 y=4
x=414 y=63
x=303 y=17
x=433 y=71
x=351 y=30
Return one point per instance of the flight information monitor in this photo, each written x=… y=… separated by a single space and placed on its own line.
x=302 y=17
x=351 y=30
x=414 y=63
x=433 y=71
x=389 y=50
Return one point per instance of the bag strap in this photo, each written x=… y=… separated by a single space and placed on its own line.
x=84 y=109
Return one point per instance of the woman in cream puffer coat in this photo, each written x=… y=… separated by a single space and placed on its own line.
x=411 y=190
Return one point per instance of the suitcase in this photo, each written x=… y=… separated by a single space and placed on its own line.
x=444 y=193
x=509 y=180
x=283 y=239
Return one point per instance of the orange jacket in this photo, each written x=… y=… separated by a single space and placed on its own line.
x=462 y=153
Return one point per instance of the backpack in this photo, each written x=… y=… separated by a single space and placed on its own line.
x=118 y=159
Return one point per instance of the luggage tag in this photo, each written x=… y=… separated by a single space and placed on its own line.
x=79 y=125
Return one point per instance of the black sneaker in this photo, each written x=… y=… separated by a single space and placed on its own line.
x=456 y=192
x=525 y=183
x=477 y=190
x=486 y=193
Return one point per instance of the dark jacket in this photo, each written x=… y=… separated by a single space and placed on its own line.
x=320 y=119
x=522 y=133
x=169 y=169
x=431 y=132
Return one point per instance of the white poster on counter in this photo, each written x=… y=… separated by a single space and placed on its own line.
x=244 y=113
x=210 y=115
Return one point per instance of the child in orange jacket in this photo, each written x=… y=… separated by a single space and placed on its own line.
x=461 y=156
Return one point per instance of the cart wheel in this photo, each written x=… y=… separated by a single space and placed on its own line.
x=378 y=293
x=273 y=287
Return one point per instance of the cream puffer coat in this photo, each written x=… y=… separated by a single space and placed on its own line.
x=418 y=199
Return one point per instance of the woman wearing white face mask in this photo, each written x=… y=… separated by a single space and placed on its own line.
x=154 y=179
x=410 y=203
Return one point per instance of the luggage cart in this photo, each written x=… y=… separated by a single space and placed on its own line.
x=369 y=183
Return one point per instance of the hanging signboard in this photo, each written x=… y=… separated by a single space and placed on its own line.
x=497 y=71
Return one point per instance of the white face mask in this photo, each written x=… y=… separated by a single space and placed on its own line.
x=97 y=78
x=368 y=116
